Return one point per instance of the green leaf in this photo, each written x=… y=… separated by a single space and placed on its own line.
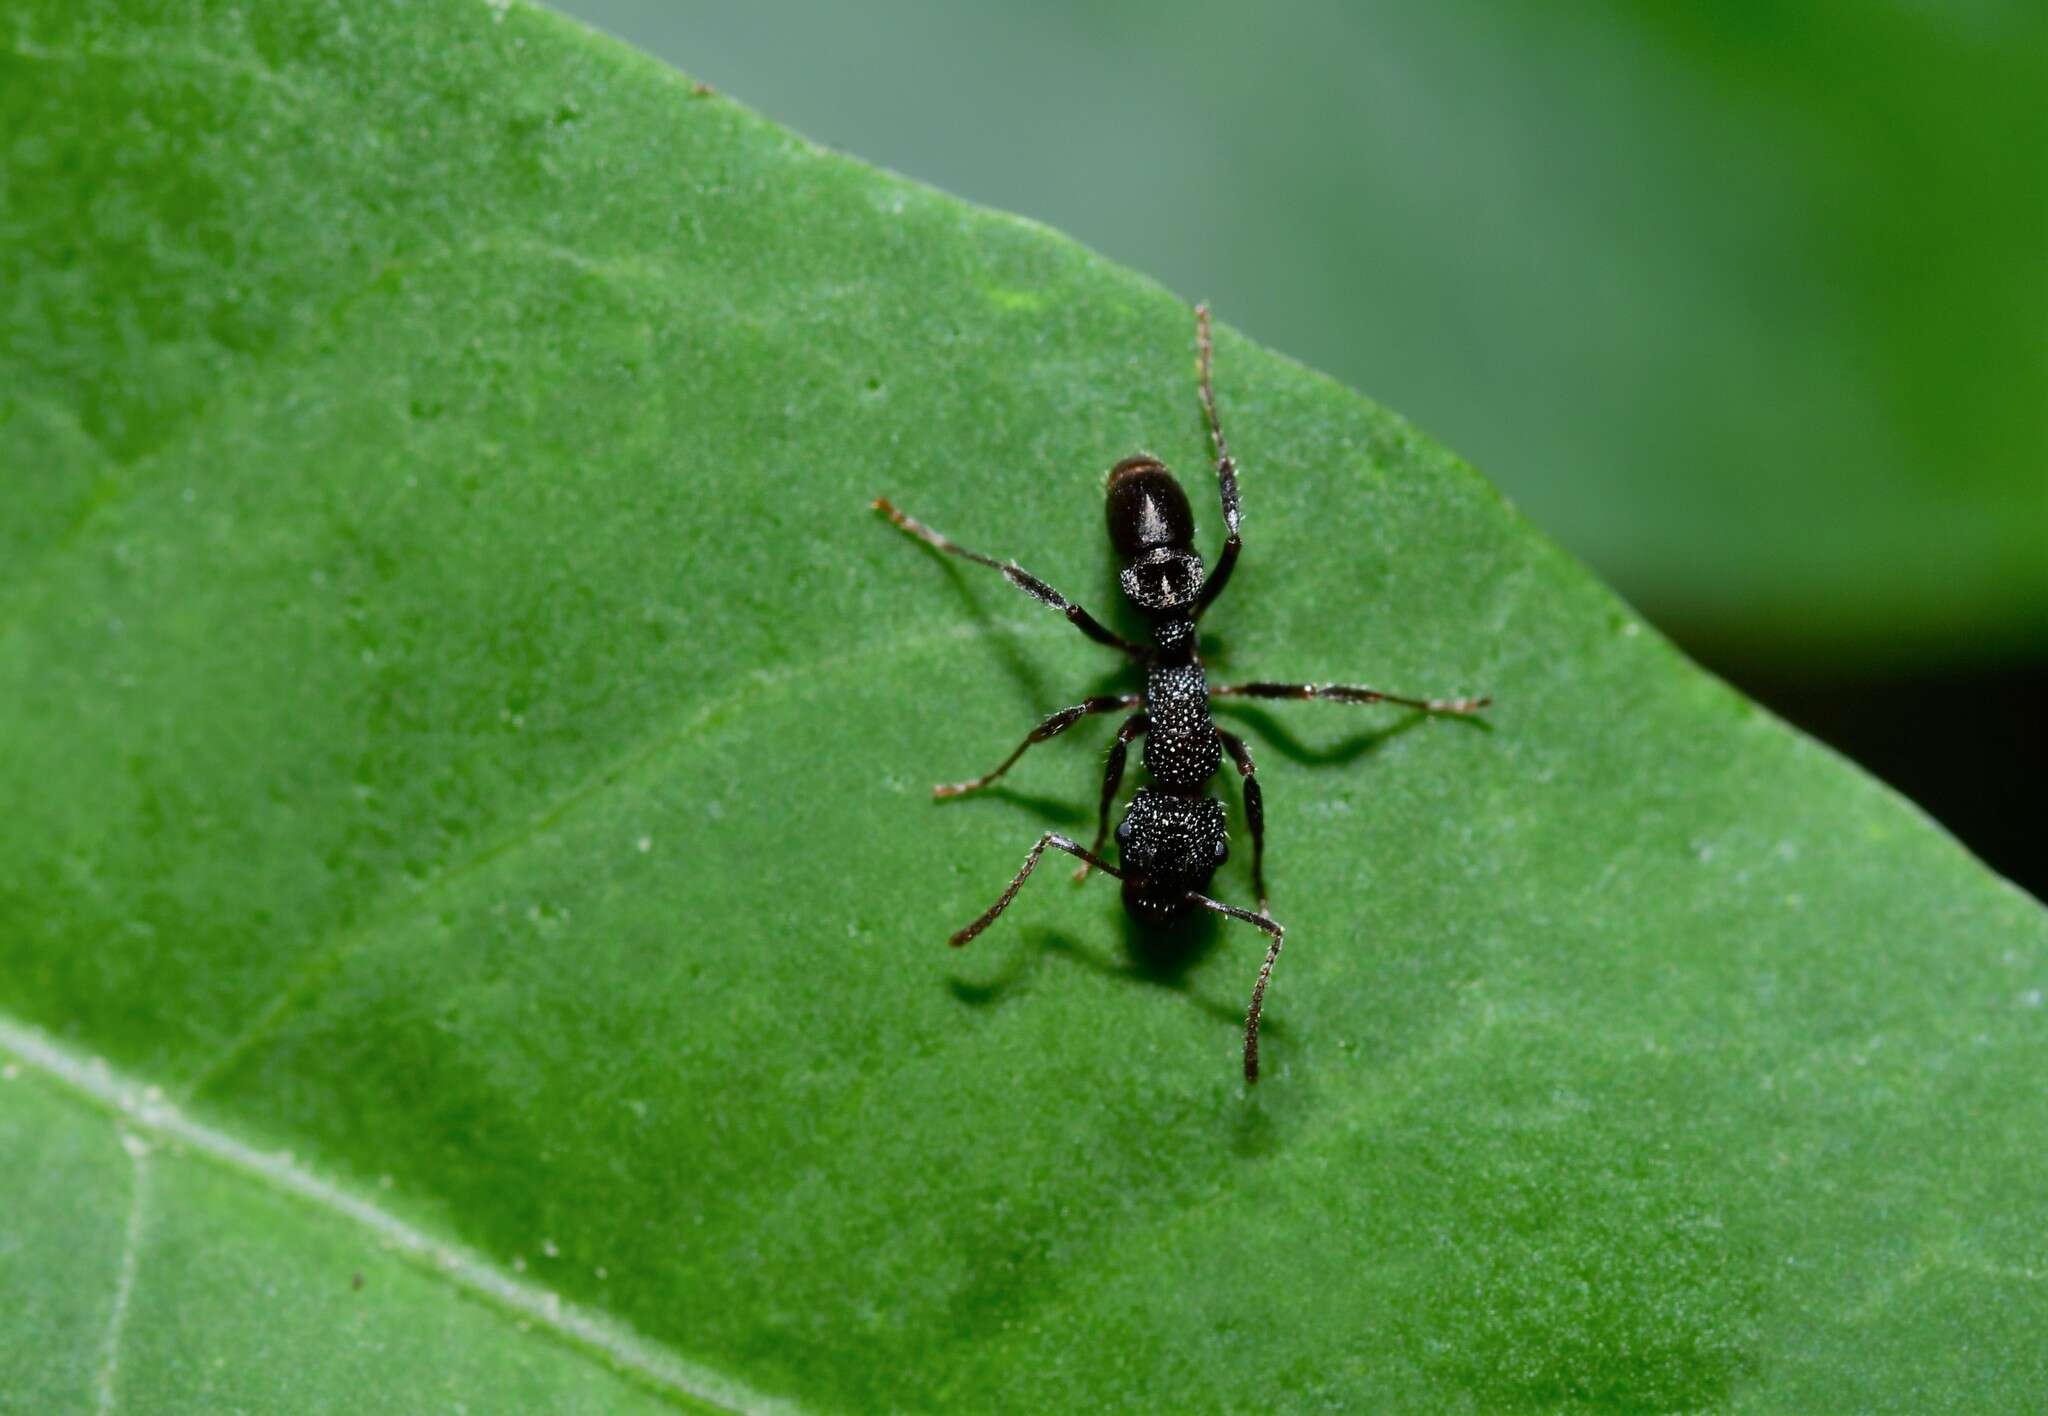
x=468 y=746
x=1742 y=302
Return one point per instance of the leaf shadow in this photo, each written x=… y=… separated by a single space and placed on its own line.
x=1161 y=959
x=1055 y=809
x=1157 y=958
x=1016 y=663
x=1284 y=741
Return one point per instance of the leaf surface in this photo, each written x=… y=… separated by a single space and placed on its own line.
x=1742 y=303
x=463 y=728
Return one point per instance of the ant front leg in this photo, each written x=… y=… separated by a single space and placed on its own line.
x=1112 y=778
x=1278 y=932
x=1018 y=576
x=1052 y=727
x=1057 y=842
x=1254 y=809
x=1350 y=693
x=1226 y=470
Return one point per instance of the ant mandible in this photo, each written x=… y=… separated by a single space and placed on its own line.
x=1172 y=838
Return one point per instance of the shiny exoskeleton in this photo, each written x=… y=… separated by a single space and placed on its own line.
x=1172 y=837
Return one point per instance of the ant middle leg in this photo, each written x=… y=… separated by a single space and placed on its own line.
x=1057 y=842
x=1112 y=778
x=1052 y=727
x=1226 y=470
x=1017 y=575
x=1349 y=693
x=1254 y=809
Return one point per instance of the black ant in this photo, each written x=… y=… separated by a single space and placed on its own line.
x=1172 y=839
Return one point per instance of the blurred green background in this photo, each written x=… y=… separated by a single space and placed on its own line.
x=1746 y=303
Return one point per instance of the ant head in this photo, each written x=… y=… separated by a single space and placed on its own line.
x=1169 y=845
x=1154 y=534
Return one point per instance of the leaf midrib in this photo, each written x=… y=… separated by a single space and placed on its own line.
x=594 y=1336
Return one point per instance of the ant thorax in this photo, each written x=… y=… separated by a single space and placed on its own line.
x=1181 y=749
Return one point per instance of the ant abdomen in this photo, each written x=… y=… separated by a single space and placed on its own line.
x=1153 y=530
x=1147 y=509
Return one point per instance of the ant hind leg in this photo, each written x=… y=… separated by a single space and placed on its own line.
x=1017 y=575
x=1226 y=470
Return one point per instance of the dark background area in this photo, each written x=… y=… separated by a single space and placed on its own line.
x=1747 y=304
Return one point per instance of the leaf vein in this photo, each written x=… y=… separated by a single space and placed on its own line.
x=306 y=981
x=597 y=1336
x=105 y=1391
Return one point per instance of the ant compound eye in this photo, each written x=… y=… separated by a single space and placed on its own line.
x=1123 y=832
x=1222 y=850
